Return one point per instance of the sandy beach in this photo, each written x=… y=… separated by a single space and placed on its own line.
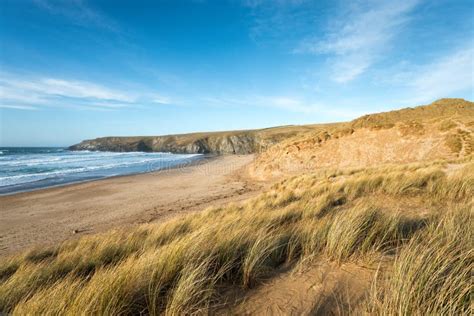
x=48 y=216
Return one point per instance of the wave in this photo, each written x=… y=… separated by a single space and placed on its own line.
x=42 y=160
x=72 y=166
x=76 y=170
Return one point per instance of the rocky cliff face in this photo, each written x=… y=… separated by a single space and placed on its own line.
x=232 y=142
x=240 y=143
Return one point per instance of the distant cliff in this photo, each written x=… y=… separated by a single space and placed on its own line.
x=234 y=142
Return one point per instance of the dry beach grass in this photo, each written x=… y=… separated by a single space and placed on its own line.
x=181 y=266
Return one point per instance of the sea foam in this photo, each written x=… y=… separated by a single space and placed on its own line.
x=31 y=168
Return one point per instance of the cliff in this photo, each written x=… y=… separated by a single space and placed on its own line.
x=233 y=142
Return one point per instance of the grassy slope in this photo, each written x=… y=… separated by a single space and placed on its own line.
x=177 y=267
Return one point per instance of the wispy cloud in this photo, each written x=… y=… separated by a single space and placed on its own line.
x=287 y=103
x=160 y=99
x=78 y=12
x=257 y=3
x=298 y=105
x=28 y=93
x=17 y=107
x=270 y=21
x=66 y=88
x=359 y=37
x=443 y=77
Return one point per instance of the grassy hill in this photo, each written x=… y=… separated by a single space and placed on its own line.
x=404 y=225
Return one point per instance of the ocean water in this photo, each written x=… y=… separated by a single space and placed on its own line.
x=25 y=169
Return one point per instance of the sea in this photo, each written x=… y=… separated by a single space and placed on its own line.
x=31 y=168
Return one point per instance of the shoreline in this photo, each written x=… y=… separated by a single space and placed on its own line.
x=50 y=215
x=36 y=187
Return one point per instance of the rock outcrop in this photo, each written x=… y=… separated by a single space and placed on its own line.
x=236 y=142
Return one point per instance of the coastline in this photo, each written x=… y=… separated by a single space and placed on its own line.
x=50 y=215
x=39 y=185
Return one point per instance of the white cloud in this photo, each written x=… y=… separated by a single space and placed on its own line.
x=78 y=89
x=110 y=105
x=160 y=99
x=18 y=107
x=64 y=88
x=443 y=77
x=13 y=94
x=20 y=91
x=359 y=37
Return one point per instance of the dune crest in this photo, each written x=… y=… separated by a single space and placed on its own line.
x=441 y=130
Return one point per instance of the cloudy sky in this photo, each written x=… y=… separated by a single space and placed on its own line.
x=72 y=70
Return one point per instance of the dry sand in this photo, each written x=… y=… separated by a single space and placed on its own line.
x=320 y=288
x=49 y=216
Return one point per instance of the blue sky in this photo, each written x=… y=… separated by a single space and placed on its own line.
x=73 y=70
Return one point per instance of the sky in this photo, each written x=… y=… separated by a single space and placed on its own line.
x=74 y=70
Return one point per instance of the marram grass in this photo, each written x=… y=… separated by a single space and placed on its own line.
x=179 y=266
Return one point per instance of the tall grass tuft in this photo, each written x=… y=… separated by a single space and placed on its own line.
x=432 y=274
